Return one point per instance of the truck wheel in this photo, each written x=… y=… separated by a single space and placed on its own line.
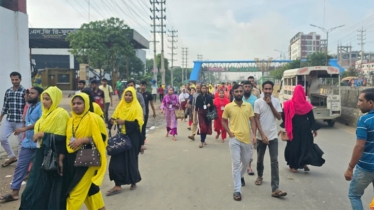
x=331 y=123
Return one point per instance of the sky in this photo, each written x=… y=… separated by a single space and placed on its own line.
x=220 y=29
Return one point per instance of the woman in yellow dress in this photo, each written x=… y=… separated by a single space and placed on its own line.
x=124 y=167
x=85 y=128
x=44 y=189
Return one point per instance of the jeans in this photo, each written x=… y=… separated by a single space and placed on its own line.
x=273 y=150
x=161 y=97
x=202 y=137
x=360 y=181
x=240 y=155
x=7 y=130
x=106 y=112
x=119 y=92
x=24 y=160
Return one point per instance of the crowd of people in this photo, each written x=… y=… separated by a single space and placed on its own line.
x=52 y=143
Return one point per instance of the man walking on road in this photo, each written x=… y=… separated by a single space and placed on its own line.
x=363 y=152
x=267 y=111
x=148 y=98
x=108 y=92
x=33 y=114
x=239 y=114
x=81 y=86
x=14 y=102
x=194 y=113
x=255 y=90
x=249 y=98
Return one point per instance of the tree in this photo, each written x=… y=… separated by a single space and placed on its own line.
x=136 y=69
x=317 y=59
x=100 y=43
x=278 y=73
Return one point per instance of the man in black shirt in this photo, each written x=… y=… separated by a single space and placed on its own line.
x=148 y=98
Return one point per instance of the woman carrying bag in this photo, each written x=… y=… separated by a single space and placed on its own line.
x=204 y=103
x=86 y=130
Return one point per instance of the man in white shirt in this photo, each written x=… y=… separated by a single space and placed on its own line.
x=108 y=92
x=267 y=112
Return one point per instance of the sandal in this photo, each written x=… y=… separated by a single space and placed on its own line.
x=7 y=198
x=293 y=170
x=192 y=138
x=8 y=162
x=278 y=193
x=133 y=187
x=237 y=196
x=258 y=181
x=250 y=172
x=306 y=168
x=201 y=146
x=113 y=192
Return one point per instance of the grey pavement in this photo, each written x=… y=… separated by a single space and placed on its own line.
x=179 y=175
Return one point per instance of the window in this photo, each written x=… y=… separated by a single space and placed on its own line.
x=309 y=48
x=63 y=79
x=309 y=42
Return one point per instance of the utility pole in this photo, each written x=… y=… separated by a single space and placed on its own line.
x=162 y=18
x=182 y=64
x=186 y=62
x=361 y=38
x=153 y=3
x=173 y=40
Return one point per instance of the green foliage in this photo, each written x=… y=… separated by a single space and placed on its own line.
x=317 y=59
x=278 y=73
x=100 y=43
x=136 y=69
x=350 y=73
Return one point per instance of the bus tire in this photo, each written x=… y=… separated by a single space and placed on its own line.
x=331 y=123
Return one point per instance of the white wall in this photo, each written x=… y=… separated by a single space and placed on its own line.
x=14 y=53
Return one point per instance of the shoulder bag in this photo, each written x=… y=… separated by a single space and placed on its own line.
x=50 y=159
x=118 y=143
x=211 y=115
x=87 y=157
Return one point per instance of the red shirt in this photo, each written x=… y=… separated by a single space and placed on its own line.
x=160 y=90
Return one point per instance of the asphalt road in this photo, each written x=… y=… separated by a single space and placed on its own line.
x=179 y=175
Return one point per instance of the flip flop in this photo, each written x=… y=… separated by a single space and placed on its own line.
x=7 y=198
x=278 y=193
x=258 y=181
x=250 y=172
x=113 y=192
x=8 y=162
x=237 y=196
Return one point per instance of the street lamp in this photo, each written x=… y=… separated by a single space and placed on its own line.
x=327 y=37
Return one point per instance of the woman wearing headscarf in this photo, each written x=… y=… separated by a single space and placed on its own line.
x=124 y=167
x=220 y=102
x=44 y=188
x=84 y=129
x=301 y=128
x=170 y=103
x=183 y=98
x=204 y=102
x=94 y=107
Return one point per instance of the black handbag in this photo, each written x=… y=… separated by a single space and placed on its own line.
x=212 y=114
x=87 y=157
x=50 y=159
x=118 y=143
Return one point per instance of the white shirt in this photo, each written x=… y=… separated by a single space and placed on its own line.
x=183 y=97
x=154 y=90
x=77 y=92
x=267 y=118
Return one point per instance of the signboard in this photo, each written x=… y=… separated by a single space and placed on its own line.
x=216 y=69
x=50 y=32
x=243 y=69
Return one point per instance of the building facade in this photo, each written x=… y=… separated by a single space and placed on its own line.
x=302 y=45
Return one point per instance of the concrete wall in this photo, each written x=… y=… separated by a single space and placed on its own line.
x=14 y=53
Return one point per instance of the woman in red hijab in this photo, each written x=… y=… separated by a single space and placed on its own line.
x=301 y=128
x=220 y=103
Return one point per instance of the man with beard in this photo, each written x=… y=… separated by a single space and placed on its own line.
x=267 y=112
x=194 y=113
x=28 y=148
x=239 y=114
x=81 y=86
x=255 y=91
x=249 y=98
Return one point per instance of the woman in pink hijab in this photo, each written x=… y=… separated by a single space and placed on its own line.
x=301 y=128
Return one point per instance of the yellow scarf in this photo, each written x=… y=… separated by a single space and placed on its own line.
x=98 y=110
x=54 y=119
x=89 y=124
x=129 y=111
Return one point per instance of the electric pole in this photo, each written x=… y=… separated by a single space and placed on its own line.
x=173 y=40
x=184 y=63
x=361 y=39
x=153 y=3
x=162 y=18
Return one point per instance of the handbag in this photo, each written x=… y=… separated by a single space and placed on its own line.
x=87 y=156
x=283 y=135
x=211 y=115
x=179 y=113
x=118 y=143
x=50 y=159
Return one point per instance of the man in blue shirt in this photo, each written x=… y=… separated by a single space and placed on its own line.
x=363 y=152
x=249 y=98
x=34 y=112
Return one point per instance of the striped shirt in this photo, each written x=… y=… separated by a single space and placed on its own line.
x=365 y=132
x=14 y=102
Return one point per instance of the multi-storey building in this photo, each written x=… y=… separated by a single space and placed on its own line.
x=301 y=45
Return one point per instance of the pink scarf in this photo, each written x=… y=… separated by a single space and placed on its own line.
x=297 y=105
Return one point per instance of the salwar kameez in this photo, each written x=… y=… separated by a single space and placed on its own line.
x=169 y=104
x=205 y=125
x=219 y=104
